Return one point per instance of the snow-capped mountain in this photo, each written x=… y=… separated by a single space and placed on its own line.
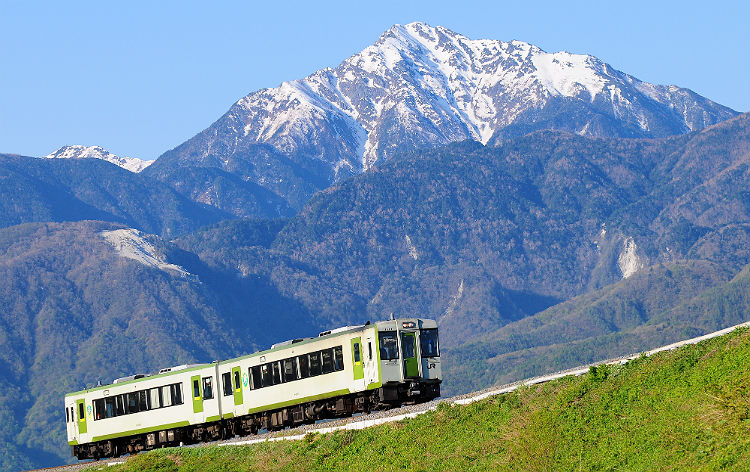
x=95 y=152
x=421 y=86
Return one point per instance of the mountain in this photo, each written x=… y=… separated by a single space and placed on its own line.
x=479 y=237
x=416 y=87
x=657 y=306
x=95 y=152
x=91 y=189
x=544 y=250
x=93 y=301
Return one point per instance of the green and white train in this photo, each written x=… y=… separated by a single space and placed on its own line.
x=340 y=372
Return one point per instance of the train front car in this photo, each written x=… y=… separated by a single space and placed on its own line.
x=409 y=357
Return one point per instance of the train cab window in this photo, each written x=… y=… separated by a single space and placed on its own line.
x=208 y=390
x=327 y=360
x=290 y=369
x=407 y=346
x=314 y=358
x=428 y=340
x=226 y=381
x=237 y=383
x=388 y=345
x=304 y=366
x=80 y=411
x=338 y=358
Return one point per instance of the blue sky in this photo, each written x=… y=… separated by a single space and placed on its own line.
x=139 y=78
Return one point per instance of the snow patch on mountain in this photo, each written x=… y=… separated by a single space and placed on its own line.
x=130 y=244
x=628 y=261
x=95 y=152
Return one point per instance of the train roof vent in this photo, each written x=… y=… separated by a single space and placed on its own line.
x=338 y=330
x=288 y=343
x=177 y=367
x=128 y=378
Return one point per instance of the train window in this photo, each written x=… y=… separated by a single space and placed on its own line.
x=338 y=358
x=109 y=407
x=80 y=411
x=276 y=372
x=67 y=415
x=98 y=409
x=257 y=380
x=407 y=346
x=388 y=345
x=196 y=389
x=327 y=360
x=154 y=398
x=357 y=354
x=226 y=380
x=428 y=340
x=290 y=369
x=166 y=395
x=369 y=351
x=265 y=372
x=133 y=403
x=304 y=366
x=208 y=390
x=119 y=405
x=237 y=383
x=176 y=394
x=314 y=363
x=143 y=400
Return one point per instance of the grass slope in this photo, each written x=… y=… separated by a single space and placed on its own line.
x=687 y=409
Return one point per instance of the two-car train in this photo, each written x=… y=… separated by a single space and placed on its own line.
x=340 y=372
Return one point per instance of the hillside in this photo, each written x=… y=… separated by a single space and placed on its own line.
x=76 y=312
x=44 y=190
x=478 y=237
x=632 y=235
x=687 y=409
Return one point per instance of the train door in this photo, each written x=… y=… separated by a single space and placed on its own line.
x=372 y=360
x=409 y=354
x=236 y=375
x=70 y=421
x=81 y=416
x=357 y=363
x=197 y=393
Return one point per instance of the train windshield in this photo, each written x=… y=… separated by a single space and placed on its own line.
x=388 y=345
x=428 y=340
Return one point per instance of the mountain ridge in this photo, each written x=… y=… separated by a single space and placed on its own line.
x=420 y=86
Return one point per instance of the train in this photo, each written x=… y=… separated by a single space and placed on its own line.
x=340 y=372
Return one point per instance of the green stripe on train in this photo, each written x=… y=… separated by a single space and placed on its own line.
x=297 y=401
x=141 y=431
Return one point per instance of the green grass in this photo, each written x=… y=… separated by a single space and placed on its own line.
x=687 y=409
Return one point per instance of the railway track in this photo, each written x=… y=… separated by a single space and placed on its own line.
x=405 y=412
